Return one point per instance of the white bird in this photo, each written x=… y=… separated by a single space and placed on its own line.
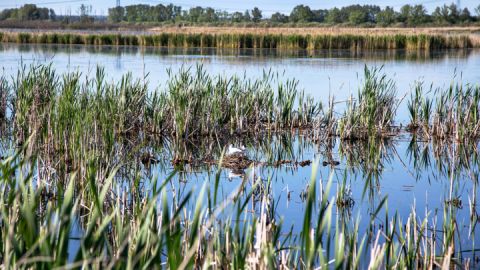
x=235 y=151
x=232 y=174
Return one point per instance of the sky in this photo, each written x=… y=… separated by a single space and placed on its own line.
x=100 y=7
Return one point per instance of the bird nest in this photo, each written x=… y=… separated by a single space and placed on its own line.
x=236 y=161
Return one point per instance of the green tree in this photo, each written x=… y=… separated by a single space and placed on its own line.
x=28 y=12
x=246 y=16
x=301 y=13
x=279 y=17
x=208 y=15
x=116 y=14
x=413 y=15
x=465 y=15
x=319 y=15
x=454 y=13
x=51 y=15
x=357 y=17
x=237 y=16
x=450 y=14
x=6 y=14
x=386 y=17
x=418 y=15
x=334 y=16
x=195 y=13
x=437 y=15
x=404 y=13
x=256 y=14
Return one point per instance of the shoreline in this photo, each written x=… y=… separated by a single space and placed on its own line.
x=258 y=38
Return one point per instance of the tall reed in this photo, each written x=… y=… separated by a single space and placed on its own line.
x=372 y=113
x=452 y=114
x=287 y=41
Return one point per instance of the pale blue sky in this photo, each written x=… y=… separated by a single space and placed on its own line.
x=100 y=7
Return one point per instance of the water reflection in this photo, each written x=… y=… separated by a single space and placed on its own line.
x=239 y=55
x=415 y=176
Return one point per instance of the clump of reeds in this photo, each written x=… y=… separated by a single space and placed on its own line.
x=73 y=115
x=420 y=110
x=4 y=98
x=453 y=114
x=372 y=113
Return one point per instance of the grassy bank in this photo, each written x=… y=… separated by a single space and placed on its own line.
x=299 y=40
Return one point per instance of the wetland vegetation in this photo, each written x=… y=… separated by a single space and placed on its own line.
x=79 y=188
x=246 y=40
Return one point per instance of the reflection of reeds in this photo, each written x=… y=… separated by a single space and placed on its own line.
x=194 y=230
x=270 y=55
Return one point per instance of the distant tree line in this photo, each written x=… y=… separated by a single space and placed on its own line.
x=408 y=15
x=31 y=12
x=28 y=12
x=161 y=13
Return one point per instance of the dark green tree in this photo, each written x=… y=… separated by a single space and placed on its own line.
x=279 y=18
x=404 y=13
x=465 y=15
x=246 y=16
x=301 y=13
x=386 y=17
x=319 y=15
x=256 y=14
x=418 y=15
x=357 y=17
x=334 y=16
x=237 y=17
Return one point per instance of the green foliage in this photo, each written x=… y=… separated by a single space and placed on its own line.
x=412 y=15
x=278 y=17
x=357 y=17
x=372 y=113
x=301 y=13
x=453 y=115
x=256 y=14
x=28 y=12
x=335 y=16
x=386 y=17
x=251 y=41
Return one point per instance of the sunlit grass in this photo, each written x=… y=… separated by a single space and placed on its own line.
x=244 y=40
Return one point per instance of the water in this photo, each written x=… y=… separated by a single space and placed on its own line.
x=409 y=180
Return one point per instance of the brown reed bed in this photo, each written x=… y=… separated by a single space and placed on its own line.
x=310 y=39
